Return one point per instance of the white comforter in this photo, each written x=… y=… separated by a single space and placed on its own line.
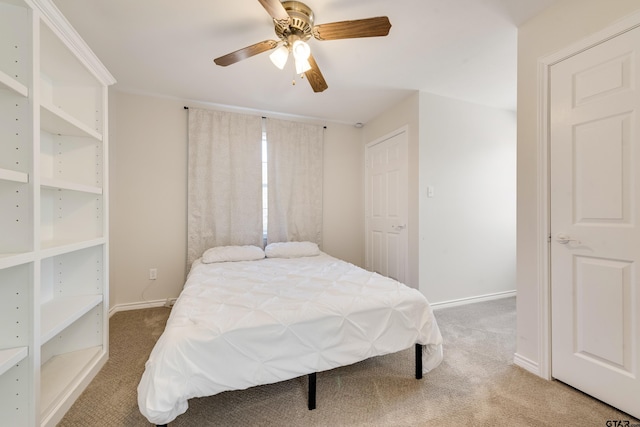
x=241 y=324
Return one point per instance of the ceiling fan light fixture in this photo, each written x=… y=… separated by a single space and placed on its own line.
x=279 y=56
x=302 y=66
x=301 y=50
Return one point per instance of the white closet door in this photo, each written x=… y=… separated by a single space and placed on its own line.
x=595 y=220
x=386 y=206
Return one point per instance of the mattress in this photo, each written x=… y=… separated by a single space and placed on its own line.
x=240 y=324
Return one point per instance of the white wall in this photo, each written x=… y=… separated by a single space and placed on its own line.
x=149 y=200
x=556 y=28
x=463 y=150
x=343 y=204
x=148 y=197
x=468 y=227
x=462 y=241
x=460 y=159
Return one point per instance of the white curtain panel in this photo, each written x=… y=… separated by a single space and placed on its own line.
x=295 y=153
x=225 y=181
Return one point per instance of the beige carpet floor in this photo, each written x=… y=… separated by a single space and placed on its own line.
x=476 y=385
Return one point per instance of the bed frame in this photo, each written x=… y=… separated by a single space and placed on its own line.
x=311 y=398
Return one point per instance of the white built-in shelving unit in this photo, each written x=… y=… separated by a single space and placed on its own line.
x=53 y=214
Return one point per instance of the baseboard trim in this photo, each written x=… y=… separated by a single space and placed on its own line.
x=471 y=300
x=167 y=302
x=526 y=364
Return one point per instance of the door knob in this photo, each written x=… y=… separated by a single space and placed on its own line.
x=564 y=238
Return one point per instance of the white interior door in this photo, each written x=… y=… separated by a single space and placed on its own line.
x=386 y=201
x=595 y=220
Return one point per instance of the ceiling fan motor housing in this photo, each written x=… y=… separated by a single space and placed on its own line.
x=300 y=25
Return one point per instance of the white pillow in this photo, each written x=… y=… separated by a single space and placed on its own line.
x=291 y=249
x=232 y=253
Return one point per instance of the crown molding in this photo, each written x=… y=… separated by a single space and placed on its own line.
x=70 y=37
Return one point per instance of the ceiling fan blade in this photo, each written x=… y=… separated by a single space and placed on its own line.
x=315 y=77
x=244 y=53
x=277 y=12
x=370 y=27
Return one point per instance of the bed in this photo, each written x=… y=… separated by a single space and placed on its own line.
x=245 y=319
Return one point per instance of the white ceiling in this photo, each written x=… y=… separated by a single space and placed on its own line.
x=464 y=49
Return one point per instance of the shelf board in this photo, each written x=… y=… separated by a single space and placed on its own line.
x=59 y=122
x=50 y=248
x=60 y=372
x=7 y=82
x=14 y=176
x=11 y=356
x=59 y=313
x=8 y=260
x=58 y=184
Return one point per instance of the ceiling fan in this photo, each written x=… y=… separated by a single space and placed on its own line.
x=294 y=25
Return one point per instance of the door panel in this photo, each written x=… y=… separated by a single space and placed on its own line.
x=386 y=206
x=602 y=170
x=595 y=234
x=607 y=78
x=601 y=327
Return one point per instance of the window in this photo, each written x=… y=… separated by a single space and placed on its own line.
x=229 y=199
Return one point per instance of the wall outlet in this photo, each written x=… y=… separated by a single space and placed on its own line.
x=153 y=273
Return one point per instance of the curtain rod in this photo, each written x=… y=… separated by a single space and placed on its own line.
x=186 y=108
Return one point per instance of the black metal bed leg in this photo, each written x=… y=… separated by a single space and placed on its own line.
x=418 y=361
x=311 y=403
